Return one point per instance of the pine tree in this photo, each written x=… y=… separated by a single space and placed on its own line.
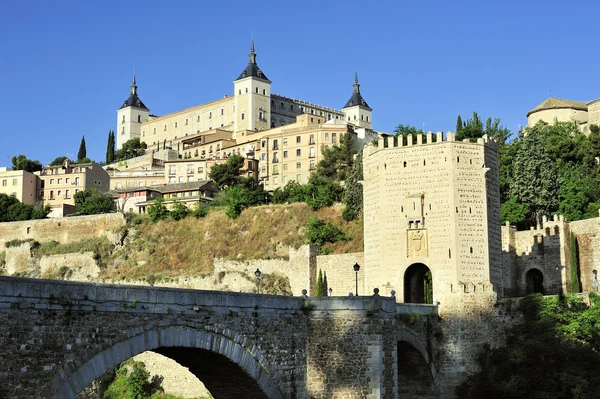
x=110 y=148
x=459 y=124
x=574 y=265
x=82 y=152
x=320 y=291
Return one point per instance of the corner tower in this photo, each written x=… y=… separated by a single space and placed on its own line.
x=252 y=97
x=130 y=117
x=356 y=110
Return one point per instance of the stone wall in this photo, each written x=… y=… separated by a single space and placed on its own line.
x=341 y=277
x=587 y=233
x=63 y=230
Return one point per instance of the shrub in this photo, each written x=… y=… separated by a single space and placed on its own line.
x=179 y=211
x=320 y=232
x=158 y=211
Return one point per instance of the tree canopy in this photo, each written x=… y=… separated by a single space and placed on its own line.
x=82 y=154
x=21 y=162
x=227 y=174
x=12 y=210
x=110 y=148
x=58 y=161
x=92 y=201
x=130 y=149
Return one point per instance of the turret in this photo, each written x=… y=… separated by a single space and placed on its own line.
x=356 y=110
x=130 y=116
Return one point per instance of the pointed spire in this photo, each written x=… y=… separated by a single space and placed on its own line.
x=133 y=85
x=252 y=55
x=356 y=85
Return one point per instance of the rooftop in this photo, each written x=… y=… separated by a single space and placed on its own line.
x=558 y=103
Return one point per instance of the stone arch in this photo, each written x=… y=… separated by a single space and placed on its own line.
x=534 y=281
x=416 y=373
x=68 y=382
x=418 y=284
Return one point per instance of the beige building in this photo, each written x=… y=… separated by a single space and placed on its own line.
x=190 y=194
x=190 y=170
x=20 y=184
x=285 y=135
x=59 y=184
x=556 y=109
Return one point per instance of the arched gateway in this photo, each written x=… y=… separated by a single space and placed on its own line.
x=534 y=280
x=418 y=284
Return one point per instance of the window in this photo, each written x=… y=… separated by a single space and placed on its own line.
x=139 y=118
x=59 y=181
x=180 y=179
x=14 y=182
x=221 y=111
x=210 y=115
x=312 y=152
x=186 y=121
x=77 y=181
x=143 y=133
x=171 y=170
x=4 y=182
x=240 y=91
x=291 y=107
x=200 y=169
x=298 y=139
x=154 y=131
x=264 y=92
x=285 y=154
x=58 y=193
x=298 y=165
x=190 y=178
x=242 y=116
x=123 y=119
x=68 y=180
x=67 y=194
x=257 y=90
x=275 y=157
x=275 y=144
x=333 y=138
x=312 y=164
x=181 y=168
x=285 y=141
x=311 y=139
x=246 y=90
x=285 y=166
x=263 y=156
x=298 y=152
x=51 y=194
x=123 y=130
x=172 y=179
x=263 y=144
x=298 y=178
x=190 y=169
x=326 y=136
x=165 y=128
x=118 y=185
x=198 y=119
x=275 y=169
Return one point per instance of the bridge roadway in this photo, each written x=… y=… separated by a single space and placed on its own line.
x=56 y=337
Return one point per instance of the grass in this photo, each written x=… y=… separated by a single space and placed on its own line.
x=187 y=247
x=100 y=246
x=2 y=262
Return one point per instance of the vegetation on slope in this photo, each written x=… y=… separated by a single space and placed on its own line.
x=553 y=353
x=188 y=247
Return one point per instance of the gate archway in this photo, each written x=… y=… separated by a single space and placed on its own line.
x=534 y=280
x=418 y=284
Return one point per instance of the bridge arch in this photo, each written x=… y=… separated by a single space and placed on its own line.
x=417 y=374
x=68 y=383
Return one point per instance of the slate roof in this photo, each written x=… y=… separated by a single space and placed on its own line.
x=170 y=188
x=357 y=98
x=557 y=103
x=133 y=100
x=252 y=69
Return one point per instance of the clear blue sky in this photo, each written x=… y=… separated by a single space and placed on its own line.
x=66 y=66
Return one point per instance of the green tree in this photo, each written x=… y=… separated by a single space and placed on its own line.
x=110 y=148
x=92 y=201
x=158 y=210
x=574 y=265
x=535 y=180
x=319 y=232
x=320 y=289
x=337 y=160
x=82 y=151
x=401 y=132
x=12 y=210
x=321 y=192
x=132 y=381
x=513 y=212
x=130 y=149
x=227 y=174
x=21 y=162
x=353 y=191
x=179 y=211
x=552 y=353
x=459 y=125
x=58 y=161
x=291 y=192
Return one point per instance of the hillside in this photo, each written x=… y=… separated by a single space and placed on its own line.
x=188 y=247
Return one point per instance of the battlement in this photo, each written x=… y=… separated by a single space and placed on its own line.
x=544 y=229
x=390 y=141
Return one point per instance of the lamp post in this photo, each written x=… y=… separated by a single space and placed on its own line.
x=257 y=274
x=356 y=269
x=595 y=281
x=330 y=291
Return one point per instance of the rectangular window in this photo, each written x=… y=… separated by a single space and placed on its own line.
x=51 y=194
x=67 y=194
x=242 y=116
x=181 y=168
x=171 y=170
x=58 y=193
x=190 y=169
x=165 y=129
x=275 y=169
x=59 y=181
x=298 y=165
x=298 y=139
x=210 y=115
x=186 y=121
x=312 y=164
x=175 y=125
x=285 y=166
x=311 y=139
x=298 y=152
x=275 y=144
x=285 y=154
x=172 y=179
x=4 y=182
x=180 y=179
x=154 y=131
x=190 y=178
x=14 y=182
x=333 y=139
x=285 y=141
x=77 y=181
x=312 y=152
x=298 y=178
x=275 y=157
x=221 y=111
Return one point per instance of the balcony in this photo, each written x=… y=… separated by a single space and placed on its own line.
x=275 y=146
x=275 y=160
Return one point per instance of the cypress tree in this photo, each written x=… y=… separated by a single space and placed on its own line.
x=574 y=265
x=320 y=291
x=459 y=124
x=325 y=285
x=82 y=151
x=110 y=148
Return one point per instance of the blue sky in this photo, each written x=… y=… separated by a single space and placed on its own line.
x=66 y=66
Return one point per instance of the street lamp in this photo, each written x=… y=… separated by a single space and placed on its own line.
x=257 y=273
x=356 y=269
x=595 y=281
x=330 y=291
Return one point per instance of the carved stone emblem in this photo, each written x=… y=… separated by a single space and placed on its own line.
x=417 y=243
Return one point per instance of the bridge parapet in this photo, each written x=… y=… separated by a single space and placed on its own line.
x=422 y=309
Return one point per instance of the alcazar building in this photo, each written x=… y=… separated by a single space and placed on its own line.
x=284 y=135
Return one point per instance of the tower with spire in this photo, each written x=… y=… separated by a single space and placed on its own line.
x=252 y=97
x=356 y=110
x=130 y=117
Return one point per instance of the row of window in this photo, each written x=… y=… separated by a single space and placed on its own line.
x=286 y=179
x=67 y=181
x=5 y=182
x=302 y=109
x=58 y=194
x=312 y=166
x=264 y=91
x=311 y=154
x=182 y=168
x=182 y=179
x=311 y=140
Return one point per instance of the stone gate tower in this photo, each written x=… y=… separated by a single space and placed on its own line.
x=431 y=211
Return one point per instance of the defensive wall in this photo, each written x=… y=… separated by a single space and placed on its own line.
x=63 y=230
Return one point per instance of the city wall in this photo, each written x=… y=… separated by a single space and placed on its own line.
x=63 y=230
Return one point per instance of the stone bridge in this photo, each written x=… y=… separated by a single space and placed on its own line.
x=56 y=337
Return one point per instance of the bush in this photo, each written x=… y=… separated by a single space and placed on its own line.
x=320 y=232
x=200 y=211
x=179 y=211
x=92 y=201
x=158 y=211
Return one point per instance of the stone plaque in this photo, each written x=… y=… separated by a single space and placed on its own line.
x=417 y=243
